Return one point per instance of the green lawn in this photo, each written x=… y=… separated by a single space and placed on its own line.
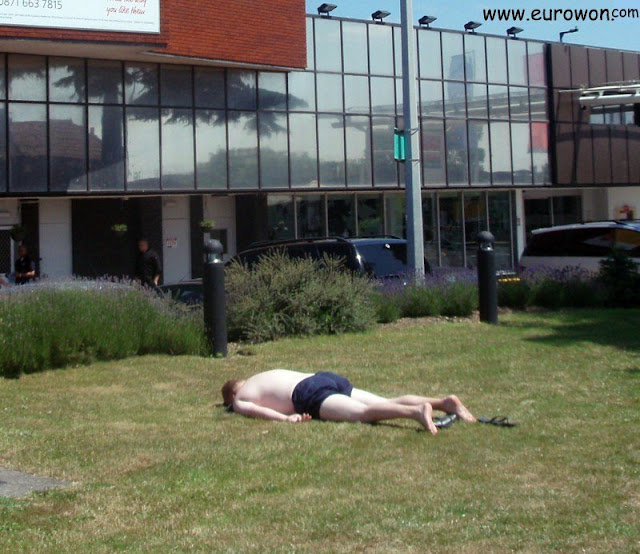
x=157 y=465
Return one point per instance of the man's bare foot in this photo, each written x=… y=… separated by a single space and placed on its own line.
x=425 y=417
x=452 y=405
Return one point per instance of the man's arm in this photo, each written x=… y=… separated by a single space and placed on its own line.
x=250 y=409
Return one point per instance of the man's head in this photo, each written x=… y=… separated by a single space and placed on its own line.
x=143 y=245
x=229 y=390
x=22 y=251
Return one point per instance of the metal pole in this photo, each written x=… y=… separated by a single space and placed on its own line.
x=413 y=193
x=214 y=300
x=487 y=282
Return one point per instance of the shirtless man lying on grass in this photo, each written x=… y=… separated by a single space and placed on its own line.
x=284 y=395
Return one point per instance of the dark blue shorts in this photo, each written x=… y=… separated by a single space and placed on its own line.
x=311 y=392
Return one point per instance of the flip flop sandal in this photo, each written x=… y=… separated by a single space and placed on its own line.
x=446 y=421
x=500 y=421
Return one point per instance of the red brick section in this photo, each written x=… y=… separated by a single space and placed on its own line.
x=269 y=32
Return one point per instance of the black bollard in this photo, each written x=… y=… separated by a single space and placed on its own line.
x=215 y=307
x=487 y=281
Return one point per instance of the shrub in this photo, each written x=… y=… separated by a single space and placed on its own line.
x=514 y=294
x=619 y=276
x=282 y=297
x=387 y=307
x=459 y=298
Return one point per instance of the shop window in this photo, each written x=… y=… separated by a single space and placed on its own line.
x=358 y=136
x=211 y=149
x=310 y=216
x=280 y=217
x=27 y=78
x=451 y=244
x=341 y=215
x=177 y=149
x=104 y=81
x=274 y=158
x=106 y=148
x=141 y=84
x=500 y=226
x=395 y=220
x=475 y=220
x=370 y=215
x=430 y=229
x=303 y=150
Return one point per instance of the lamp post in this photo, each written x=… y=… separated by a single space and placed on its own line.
x=214 y=301
x=415 y=242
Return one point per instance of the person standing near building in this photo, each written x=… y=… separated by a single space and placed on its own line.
x=148 y=268
x=25 y=268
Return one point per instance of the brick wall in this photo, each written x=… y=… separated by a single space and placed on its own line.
x=270 y=32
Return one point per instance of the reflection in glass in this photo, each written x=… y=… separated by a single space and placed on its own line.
x=356 y=94
x=211 y=149
x=68 y=155
x=280 y=218
x=370 y=215
x=381 y=49
x=519 y=102
x=475 y=220
x=27 y=147
x=341 y=215
x=521 y=148
x=474 y=58
x=395 y=221
x=303 y=150
x=452 y=56
x=496 y=60
x=479 y=168
x=329 y=92
x=210 y=87
x=66 y=80
x=243 y=150
x=106 y=148
x=176 y=85
x=457 y=167
x=27 y=77
x=143 y=149
x=536 y=64
x=274 y=159
x=540 y=152
x=328 y=51
x=429 y=52
x=354 y=47
x=241 y=90
x=141 y=84
x=310 y=47
x=517 y=55
x=538 y=103
x=433 y=152
x=331 y=150
x=383 y=100
x=430 y=229
x=302 y=91
x=500 y=153
x=310 y=215
x=431 y=98
x=500 y=227
x=177 y=149
x=3 y=147
x=358 y=131
x=385 y=171
x=454 y=99
x=451 y=246
x=104 y=79
x=272 y=91
x=3 y=83
x=477 y=101
x=498 y=102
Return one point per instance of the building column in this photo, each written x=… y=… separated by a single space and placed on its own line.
x=55 y=238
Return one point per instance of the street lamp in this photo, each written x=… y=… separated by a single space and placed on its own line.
x=574 y=30
x=379 y=15
x=513 y=31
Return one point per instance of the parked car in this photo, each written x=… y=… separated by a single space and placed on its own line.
x=581 y=245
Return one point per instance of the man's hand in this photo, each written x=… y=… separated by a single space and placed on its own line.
x=298 y=418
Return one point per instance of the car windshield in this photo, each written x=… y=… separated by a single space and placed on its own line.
x=384 y=259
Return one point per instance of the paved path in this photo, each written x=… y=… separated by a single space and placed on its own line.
x=15 y=484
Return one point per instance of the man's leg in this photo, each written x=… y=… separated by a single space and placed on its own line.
x=339 y=407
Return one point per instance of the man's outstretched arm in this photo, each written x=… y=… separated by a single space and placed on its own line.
x=250 y=409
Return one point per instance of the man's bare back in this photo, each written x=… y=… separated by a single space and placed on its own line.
x=272 y=389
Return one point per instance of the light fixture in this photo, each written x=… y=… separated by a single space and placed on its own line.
x=574 y=30
x=326 y=9
x=379 y=15
x=471 y=26
x=426 y=20
x=513 y=31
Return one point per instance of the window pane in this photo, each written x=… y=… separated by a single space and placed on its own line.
x=452 y=58
x=356 y=94
x=384 y=164
x=475 y=220
x=274 y=159
x=280 y=217
x=176 y=85
x=474 y=58
x=496 y=60
x=430 y=230
x=3 y=83
x=429 y=52
x=342 y=215
x=177 y=149
x=457 y=167
x=536 y=63
x=3 y=147
x=241 y=90
x=521 y=148
x=431 y=98
x=209 y=84
x=272 y=91
x=358 y=131
x=454 y=100
x=211 y=149
x=370 y=215
x=477 y=101
x=517 y=52
x=354 y=47
x=27 y=78
x=567 y=209
x=395 y=210
x=302 y=91
x=383 y=100
x=479 y=168
x=106 y=148
x=540 y=152
x=500 y=153
x=310 y=43
x=519 y=103
x=243 y=150
x=304 y=154
x=328 y=51
x=500 y=227
x=104 y=81
x=329 y=93
x=498 y=102
x=66 y=80
x=310 y=212
x=381 y=49
x=143 y=149
x=28 y=147
x=433 y=152
x=450 y=205
x=538 y=103
x=141 y=84
x=331 y=150
x=68 y=155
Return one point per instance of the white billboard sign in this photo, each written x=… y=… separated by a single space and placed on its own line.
x=133 y=16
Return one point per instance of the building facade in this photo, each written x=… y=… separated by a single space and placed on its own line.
x=287 y=131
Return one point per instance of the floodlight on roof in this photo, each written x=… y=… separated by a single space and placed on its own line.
x=326 y=9
x=574 y=30
x=513 y=31
x=379 y=15
x=427 y=20
x=471 y=26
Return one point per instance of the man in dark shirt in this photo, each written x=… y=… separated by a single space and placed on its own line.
x=148 y=268
x=25 y=269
